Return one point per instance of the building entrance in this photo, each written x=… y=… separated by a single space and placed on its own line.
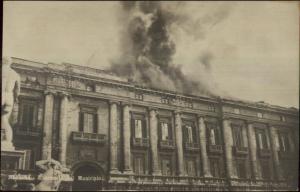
x=88 y=178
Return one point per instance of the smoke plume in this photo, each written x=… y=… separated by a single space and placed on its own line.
x=148 y=46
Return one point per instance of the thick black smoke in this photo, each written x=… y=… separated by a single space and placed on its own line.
x=149 y=50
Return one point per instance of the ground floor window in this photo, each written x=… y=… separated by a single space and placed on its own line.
x=166 y=166
x=139 y=165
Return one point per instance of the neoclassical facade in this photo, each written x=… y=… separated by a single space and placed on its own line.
x=113 y=134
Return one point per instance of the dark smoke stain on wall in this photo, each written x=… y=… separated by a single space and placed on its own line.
x=149 y=50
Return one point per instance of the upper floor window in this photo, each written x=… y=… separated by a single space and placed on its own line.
x=165 y=100
x=211 y=108
x=90 y=87
x=261 y=139
x=213 y=132
x=88 y=120
x=139 y=96
x=237 y=133
x=165 y=130
x=28 y=114
x=236 y=111
x=189 y=132
x=166 y=166
x=282 y=118
x=259 y=115
x=191 y=167
x=283 y=141
x=138 y=126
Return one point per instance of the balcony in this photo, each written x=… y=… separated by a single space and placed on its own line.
x=264 y=152
x=191 y=146
x=287 y=155
x=215 y=149
x=140 y=142
x=88 y=137
x=166 y=144
x=20 y=130
x=240 y=151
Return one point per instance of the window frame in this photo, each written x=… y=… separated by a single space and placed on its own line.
x=35 y=104
x=139 y=116
x=263 y=132
x=166 y=158
x=91 y=110
x=189 y=123
x=217 y=132
x=237 y=135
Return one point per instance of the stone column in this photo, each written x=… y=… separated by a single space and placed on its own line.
x=253 y=149
x=126 y=139
x=47 y=129
x=204 y=157
x=63 y=129
x=278 y=170
x=228 y=141
x=113 y=137
x=153 y=141
x=179 y=144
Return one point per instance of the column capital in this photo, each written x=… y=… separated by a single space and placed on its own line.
x=64 y=95
x=114 y=102
x=50 y=92
x=155 y=109
x=250 y=122
x=178 y=112
x=126 y=103
x=200 y=116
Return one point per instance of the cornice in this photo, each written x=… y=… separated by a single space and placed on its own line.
x=45 y=69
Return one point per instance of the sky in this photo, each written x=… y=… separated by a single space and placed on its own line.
x=252 y=47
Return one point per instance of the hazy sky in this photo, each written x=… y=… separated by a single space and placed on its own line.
x=253 y=47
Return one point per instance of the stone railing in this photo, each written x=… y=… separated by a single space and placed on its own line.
x=264 y=152
x=179 y=180
x=20 y=130
x=240 y=151
x=259 y=184
x=88 y=137
x=192 y=146
x=166 y=144
x=140 y=142
x=217 y=149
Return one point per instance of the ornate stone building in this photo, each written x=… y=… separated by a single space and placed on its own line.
x=113 y=134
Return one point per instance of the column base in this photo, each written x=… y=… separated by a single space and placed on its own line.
x=207 y=175
x=114 y=171
x=128 y=172
x=157 y=173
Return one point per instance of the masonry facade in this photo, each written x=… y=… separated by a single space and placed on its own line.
x=134 y=137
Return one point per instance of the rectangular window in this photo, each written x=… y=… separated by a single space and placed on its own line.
x=139 y=165
x=138 y=126
x=28 y=115
x=191 y=167
x=88 y=120
x=166 y=166
x=261 y=139
x=164 y=131
x=265 y=169
x=189 y=132
x=215 y=167
x=284 y=141
x=213 y=133
x=241 y=167
x=237 y=135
